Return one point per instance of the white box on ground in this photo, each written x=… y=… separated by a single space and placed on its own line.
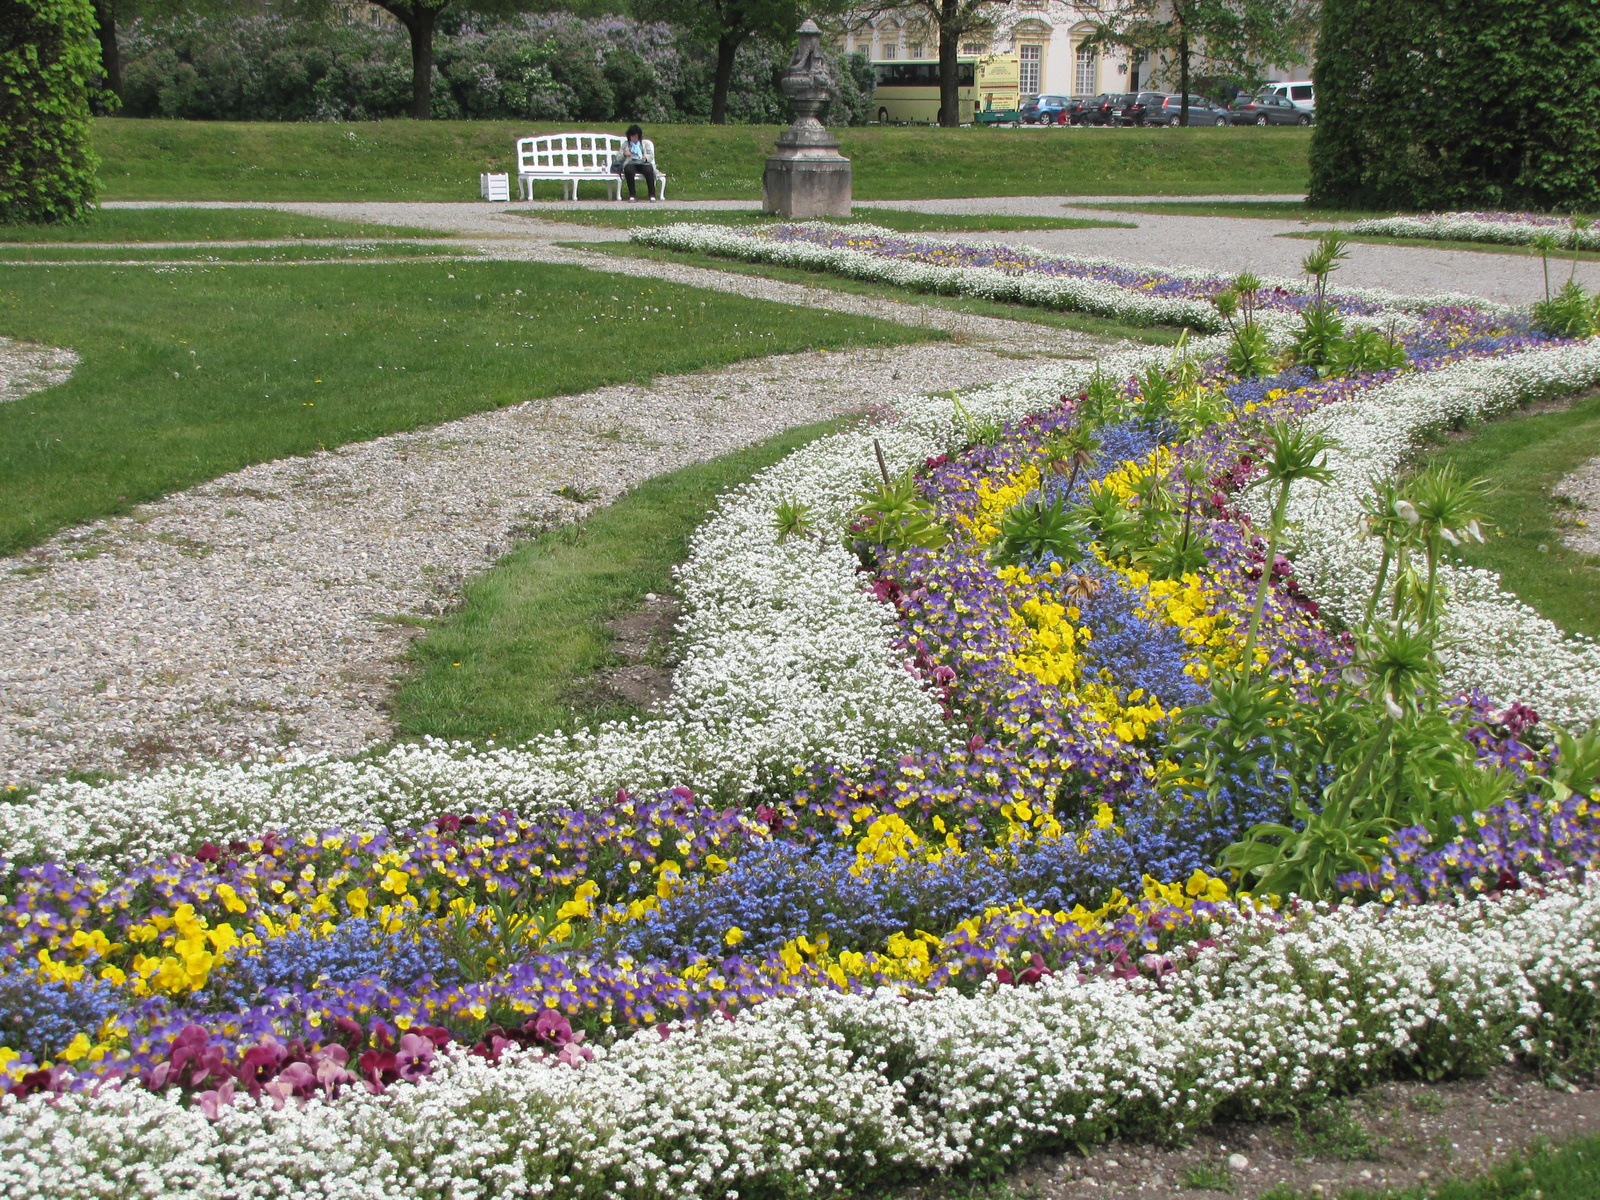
x=495 y=187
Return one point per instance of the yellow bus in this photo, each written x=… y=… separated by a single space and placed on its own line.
x=908 y=89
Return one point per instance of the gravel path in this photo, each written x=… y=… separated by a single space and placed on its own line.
x=272 y=605
x=1212 y=243
x=1582 y=488
x=25 y=367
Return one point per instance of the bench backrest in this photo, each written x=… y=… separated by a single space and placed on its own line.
x=568 y=154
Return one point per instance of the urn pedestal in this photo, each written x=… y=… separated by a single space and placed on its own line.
x=807 y=176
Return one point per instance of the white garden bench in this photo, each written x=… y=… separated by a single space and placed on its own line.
x=573 y=158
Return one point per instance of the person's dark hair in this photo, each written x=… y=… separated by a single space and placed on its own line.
x=634 y=129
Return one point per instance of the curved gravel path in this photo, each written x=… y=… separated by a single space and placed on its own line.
x=1582 y=489
x=272 y=606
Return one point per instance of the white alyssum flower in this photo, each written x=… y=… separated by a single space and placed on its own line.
x=1506 y=229
x=813 y=1094
x=1101 y=297
x=1492 y=640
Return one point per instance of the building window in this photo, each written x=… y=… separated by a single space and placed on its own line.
x=890 y=51
x=972 y=47
x=1083 y=82
x=914 y=50
x=1029 y=61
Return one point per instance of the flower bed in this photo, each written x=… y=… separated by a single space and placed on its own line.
x=1500 y=228
x=994 y=271
x=943 y=885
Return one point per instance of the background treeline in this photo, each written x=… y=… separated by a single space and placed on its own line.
x=546 y=67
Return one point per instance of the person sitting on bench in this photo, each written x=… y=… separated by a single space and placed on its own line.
x=638 y=158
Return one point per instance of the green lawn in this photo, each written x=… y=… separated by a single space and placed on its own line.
x=200 y=225
x=193 y=372
x=512 y=663
x=143 y=252
x=1159 y=335
x=890 y=218
x=1271 y=210
x=441 y=160
x=1569 y=1172
x=1523 y=456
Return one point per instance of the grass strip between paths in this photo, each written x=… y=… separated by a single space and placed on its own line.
x=188 y=373
x=1523 y=456
x=291 y=252
x=517 y=659
x=441 y=160
x=201 y=225
x=1267 y=210
x=889 y=218
x=1157 y=335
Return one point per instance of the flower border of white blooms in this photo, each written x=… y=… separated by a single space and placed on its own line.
x=1472 y=227
x=787 y=662
x=834 y=1092
x=1096 y=296
x=1491 y=640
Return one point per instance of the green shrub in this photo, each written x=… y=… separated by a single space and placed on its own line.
x=48 y=55
x=1458 y=104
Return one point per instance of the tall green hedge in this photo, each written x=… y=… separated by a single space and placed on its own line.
x=48 y=58
x=1449 y=104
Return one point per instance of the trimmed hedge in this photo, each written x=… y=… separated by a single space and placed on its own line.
x=48 y=55
x=1450 y=104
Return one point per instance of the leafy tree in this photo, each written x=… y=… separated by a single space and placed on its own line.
x=956 y=21
x=1231 y=38
x=47 y=59
x=729 y=24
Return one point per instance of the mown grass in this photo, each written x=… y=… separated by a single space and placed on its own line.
x=1419 y=243
x=889 y=218
x=1567 y=1172
x=441 y=160
x=225 y=254
x=1269 y=210
x=1523 y=456
x=188 y=373
x=513 y=662
x=200 y=225
x=1157 y=335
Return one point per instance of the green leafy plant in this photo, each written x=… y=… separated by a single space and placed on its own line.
x=1317 y=342
x=895 y=517
x=985 y=431
x=1365 y=350
x=48 y=58
x=793 y=519
x=1294 y=454
x=1250 y=353
x=1571 y=312
x=1039 y=528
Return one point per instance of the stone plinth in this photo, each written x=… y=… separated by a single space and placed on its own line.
x=807 y=177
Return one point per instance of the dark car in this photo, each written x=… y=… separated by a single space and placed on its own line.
x=1046 y=110
x=1105 y=108
x=1266 y=110
x=1139 y=107
x=1201 y=112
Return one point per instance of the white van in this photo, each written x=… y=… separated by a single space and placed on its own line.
x=1299 y=92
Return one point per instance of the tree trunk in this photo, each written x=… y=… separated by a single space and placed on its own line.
x=1183 y=75
x=110 y=53
x=949 y=76
x=727 y=47
x=419 y=24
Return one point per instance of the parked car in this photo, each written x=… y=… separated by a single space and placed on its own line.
x=1139 y=106
x=1201 y=112
x=1046 y=110
x=1301 y=93
x=1266 y=110
x=1105 y=108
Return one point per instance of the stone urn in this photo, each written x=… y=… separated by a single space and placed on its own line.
x=807 y=176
